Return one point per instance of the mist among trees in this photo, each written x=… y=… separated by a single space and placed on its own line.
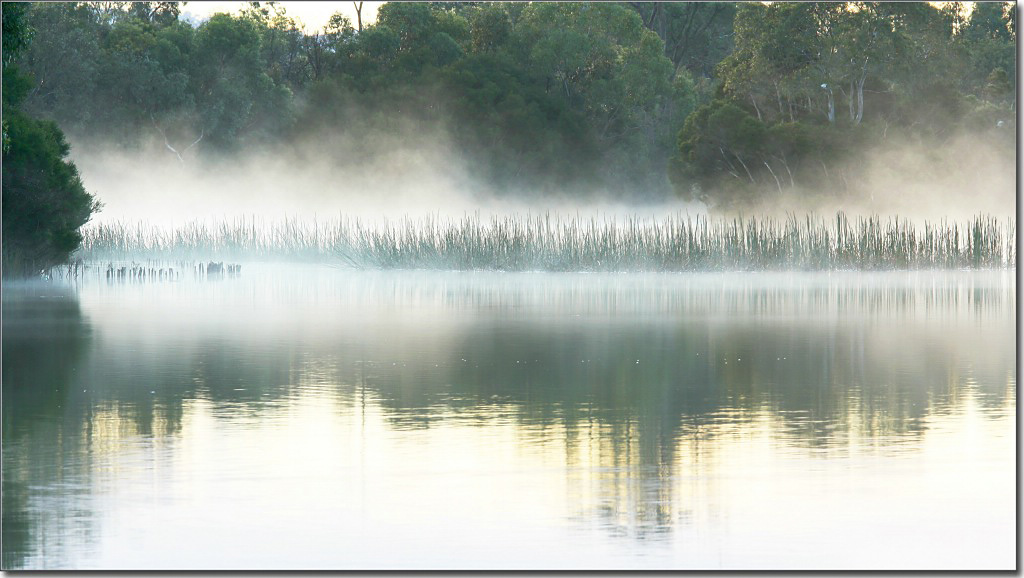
x=738 y=106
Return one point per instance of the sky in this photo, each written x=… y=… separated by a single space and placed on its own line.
x=313 y=14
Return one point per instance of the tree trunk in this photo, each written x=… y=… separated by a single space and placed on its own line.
x=853 y=112
x=757 y=110
x=785 y=164
x=167 y=143
x=777 y=183
x=860 y=97
x=732 y=169
x=860 y=90
x=359 y=15
x=745 y=167
x=831 y=106
x=778 y=96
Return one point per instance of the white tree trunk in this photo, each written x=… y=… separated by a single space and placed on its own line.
x=778 y=96
x=860 y=91
x=168 y=144
x=745 y=167
x=777 y=183
x=853 y=110
x=860 y=98
x=831 y=106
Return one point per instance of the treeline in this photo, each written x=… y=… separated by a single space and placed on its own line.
x=732 y=101
x=811 y=90
x=536 y=97
x=729 y=104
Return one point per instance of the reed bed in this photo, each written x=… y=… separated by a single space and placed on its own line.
x=549 y=242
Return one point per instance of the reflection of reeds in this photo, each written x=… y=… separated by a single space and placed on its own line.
x=151 y=271
x=556 y=243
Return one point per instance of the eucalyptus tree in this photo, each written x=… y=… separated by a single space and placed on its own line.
x=797 y=59
x=282 y=53
x=775 y=45
x=236 y=101
x=858 y=43
x=490 y=28
x=697 y=35
x=322 y=49
x=63 y=61
x=605 y=64
x=913 y=72
x=426 y=37
x=990 y=40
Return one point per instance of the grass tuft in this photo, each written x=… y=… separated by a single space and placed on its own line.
x=565 y=243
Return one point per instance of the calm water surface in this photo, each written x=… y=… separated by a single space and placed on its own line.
x=309 y=417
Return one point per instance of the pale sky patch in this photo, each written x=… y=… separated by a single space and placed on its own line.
x=313 y=14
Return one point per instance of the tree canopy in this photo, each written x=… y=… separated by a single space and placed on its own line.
x=811 y=89
x=724 y=103
x=44 y=202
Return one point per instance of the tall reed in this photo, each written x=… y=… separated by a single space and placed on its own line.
x=551 y=242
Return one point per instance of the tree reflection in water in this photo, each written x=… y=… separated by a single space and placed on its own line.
x=638 y=383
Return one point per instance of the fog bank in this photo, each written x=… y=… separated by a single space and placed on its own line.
x=407 y=170
x=383 y=176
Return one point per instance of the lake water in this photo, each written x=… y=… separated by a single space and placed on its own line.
x=305 y=417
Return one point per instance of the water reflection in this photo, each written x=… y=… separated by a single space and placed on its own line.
x=589 y=421
x=44 y=341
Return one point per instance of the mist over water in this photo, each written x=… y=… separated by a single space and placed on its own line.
x=412 y=170
x=483 y=420
x=429 y=293
x=398 y=176
x=474 y=420
x=304 y=416
x=953 y=178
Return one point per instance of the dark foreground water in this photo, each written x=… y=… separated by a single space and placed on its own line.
x=303 y=417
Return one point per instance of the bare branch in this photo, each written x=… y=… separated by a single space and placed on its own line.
x=201 y=133
x=166 y=142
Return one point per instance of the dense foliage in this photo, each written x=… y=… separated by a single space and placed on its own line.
x=811 y=89
x=537 y=97
x=44 y=202
x=726 y=103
